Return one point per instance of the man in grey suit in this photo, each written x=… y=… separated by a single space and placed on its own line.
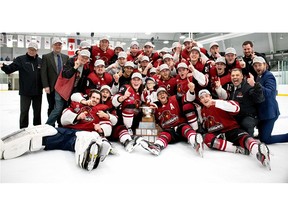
x=52 y=64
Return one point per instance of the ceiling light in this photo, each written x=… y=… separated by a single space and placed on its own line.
x=147 y=33
x=281 y=37
x=134 y=39
x=123 y=43
x=165 y=42
x=182 y=37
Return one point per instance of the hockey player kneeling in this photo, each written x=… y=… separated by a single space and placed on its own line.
x=90 y=148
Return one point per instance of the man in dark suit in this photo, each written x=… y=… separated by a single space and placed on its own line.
x=268 y=111
x=52 y=64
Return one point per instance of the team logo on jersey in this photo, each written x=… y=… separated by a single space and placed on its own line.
x=239 y=95
x=87 y=111
x=211 y=124
x=167 y=119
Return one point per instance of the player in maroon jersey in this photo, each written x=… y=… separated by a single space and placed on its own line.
x=128 y=102
x=99 y=77
x=223 y=131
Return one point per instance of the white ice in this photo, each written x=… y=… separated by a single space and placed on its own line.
x=176 y=164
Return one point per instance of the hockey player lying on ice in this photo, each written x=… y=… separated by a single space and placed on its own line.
x=224 y=133
x=85 y=126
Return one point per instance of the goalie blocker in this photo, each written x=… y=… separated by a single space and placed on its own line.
x=90 y=149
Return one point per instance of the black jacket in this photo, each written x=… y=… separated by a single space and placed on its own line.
x=29 y=74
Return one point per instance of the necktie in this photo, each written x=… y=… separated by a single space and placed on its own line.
x=59 y=65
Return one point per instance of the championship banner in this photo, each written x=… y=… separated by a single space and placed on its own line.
x=38 y=41
x=9 y=41
x=47 y=44
x=21 y=41
x=64 y=43
x=27 y=40
x=71 y=46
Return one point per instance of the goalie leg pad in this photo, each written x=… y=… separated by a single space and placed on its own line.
x=24 y=140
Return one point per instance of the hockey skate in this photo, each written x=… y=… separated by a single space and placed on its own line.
x=130 y=145
x=92 y=159
x=199 y=144
x=241 y=150
x=263 y=155
x=153 y=148
x=113 y=149
x=24 y=140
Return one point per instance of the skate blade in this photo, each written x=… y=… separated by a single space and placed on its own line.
x=266 y=163
x=201 y=152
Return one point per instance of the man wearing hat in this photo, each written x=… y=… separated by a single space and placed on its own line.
x=134 y=52
x=98 y=77
x=101 y=52
x=215 y=52
x=76 y=68
x=30 y=85
x=268 y=111
x=169 y=116
x=52 y=64
x=232 y=61
x=189 y=43
x=148 y=50
x=117 y=49
x=219 y=122
x=128 y=102
x=118 y=65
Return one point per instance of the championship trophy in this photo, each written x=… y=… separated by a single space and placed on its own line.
x=147 y=127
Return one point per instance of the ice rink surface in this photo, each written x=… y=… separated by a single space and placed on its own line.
x=178 y=169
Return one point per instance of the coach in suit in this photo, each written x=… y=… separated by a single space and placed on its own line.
x=52 y=64
x=268 y=111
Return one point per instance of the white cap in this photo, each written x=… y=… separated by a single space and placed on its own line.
x=164 y=66
x=153 y=70
x=129 y=64
x=33 y=45
x=106 y=87
x=220 y=59
x=149 y=44
x=85 y=45
x=56 y=40
x=165 y=49
x=144 y=58
x=230 y=50
x=258 y=59
x=150 y=78
x=167 y=55
x=119 y=45
x=197 y=49
x=122 y=54
x=136 y=75
x=104 y=38
x=213 y=44
x=99 y=62
x=175 y=44
x=182 y=65
x=161 y=89
x=134 y=43
x=84 y=53
x=187 y=40
x=203 y=91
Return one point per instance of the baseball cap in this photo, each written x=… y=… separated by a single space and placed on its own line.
x=167 y=56
x=203 y=91
x=33 y=45
x=134 y=43
x=197 y=49
x=175 y=44
x=119 y=46
x=149 y=44
x=213 y=44
x=144 y=58
x=165 y=49
x=187 y=40
x=106 y=87
x=84 y=53
x=163 y=66
x=161 y=89
x=153 y=70
x=56 y=40
x=230 y=50
x=150 y=78
x=182 y=65
x=122 y=54
x=220 y=59
x=258 y=59
x=99 y=62
x=136 y=75
x=104 y=38
x=85 y=45
x=129 y=64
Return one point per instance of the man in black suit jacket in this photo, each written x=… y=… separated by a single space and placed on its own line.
x=51 y=67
